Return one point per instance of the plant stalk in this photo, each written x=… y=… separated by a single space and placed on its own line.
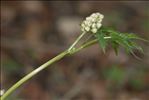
x=31 y=74
x=77 y=40
x=45 y=65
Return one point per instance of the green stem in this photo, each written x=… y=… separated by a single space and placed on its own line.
x=31 y=74
x=45 y=65
x=87 y=45
x=77 y=40
x=84 y=46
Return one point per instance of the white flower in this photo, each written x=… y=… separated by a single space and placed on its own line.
x=93 y=19
x=94 y=15
x=98 y=25
x=94 y=30
x=92 y=23
x=87 y=28
x=101 y=16
x=88 y=18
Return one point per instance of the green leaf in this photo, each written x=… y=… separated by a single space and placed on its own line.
x=101 y=40
x=115 y=46
x=126 y=40
x=133 y=36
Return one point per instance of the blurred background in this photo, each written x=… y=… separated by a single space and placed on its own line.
x=32 y=32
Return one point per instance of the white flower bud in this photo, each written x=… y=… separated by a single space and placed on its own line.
x=99 y=21
x=88 y=18
x=92 y=23
x=94 y=30
x=93 y=19
x=82 y=25
x=101 y=16
x=87 y=28
x=94 y=15
x=98 y=25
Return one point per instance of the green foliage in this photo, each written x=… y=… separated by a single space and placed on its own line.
x=115 y=46
x=103 y=42
x=117 y=39
x=115 y=74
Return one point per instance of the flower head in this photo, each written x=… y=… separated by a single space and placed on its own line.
x=92 y=23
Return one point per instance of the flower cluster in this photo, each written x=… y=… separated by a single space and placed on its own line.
x=92 y=23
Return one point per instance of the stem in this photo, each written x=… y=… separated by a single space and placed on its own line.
x=31 y=74
x=87 y=45
x=45 y=65
x=107 y=37
x=77 y=40
x=84 y=46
